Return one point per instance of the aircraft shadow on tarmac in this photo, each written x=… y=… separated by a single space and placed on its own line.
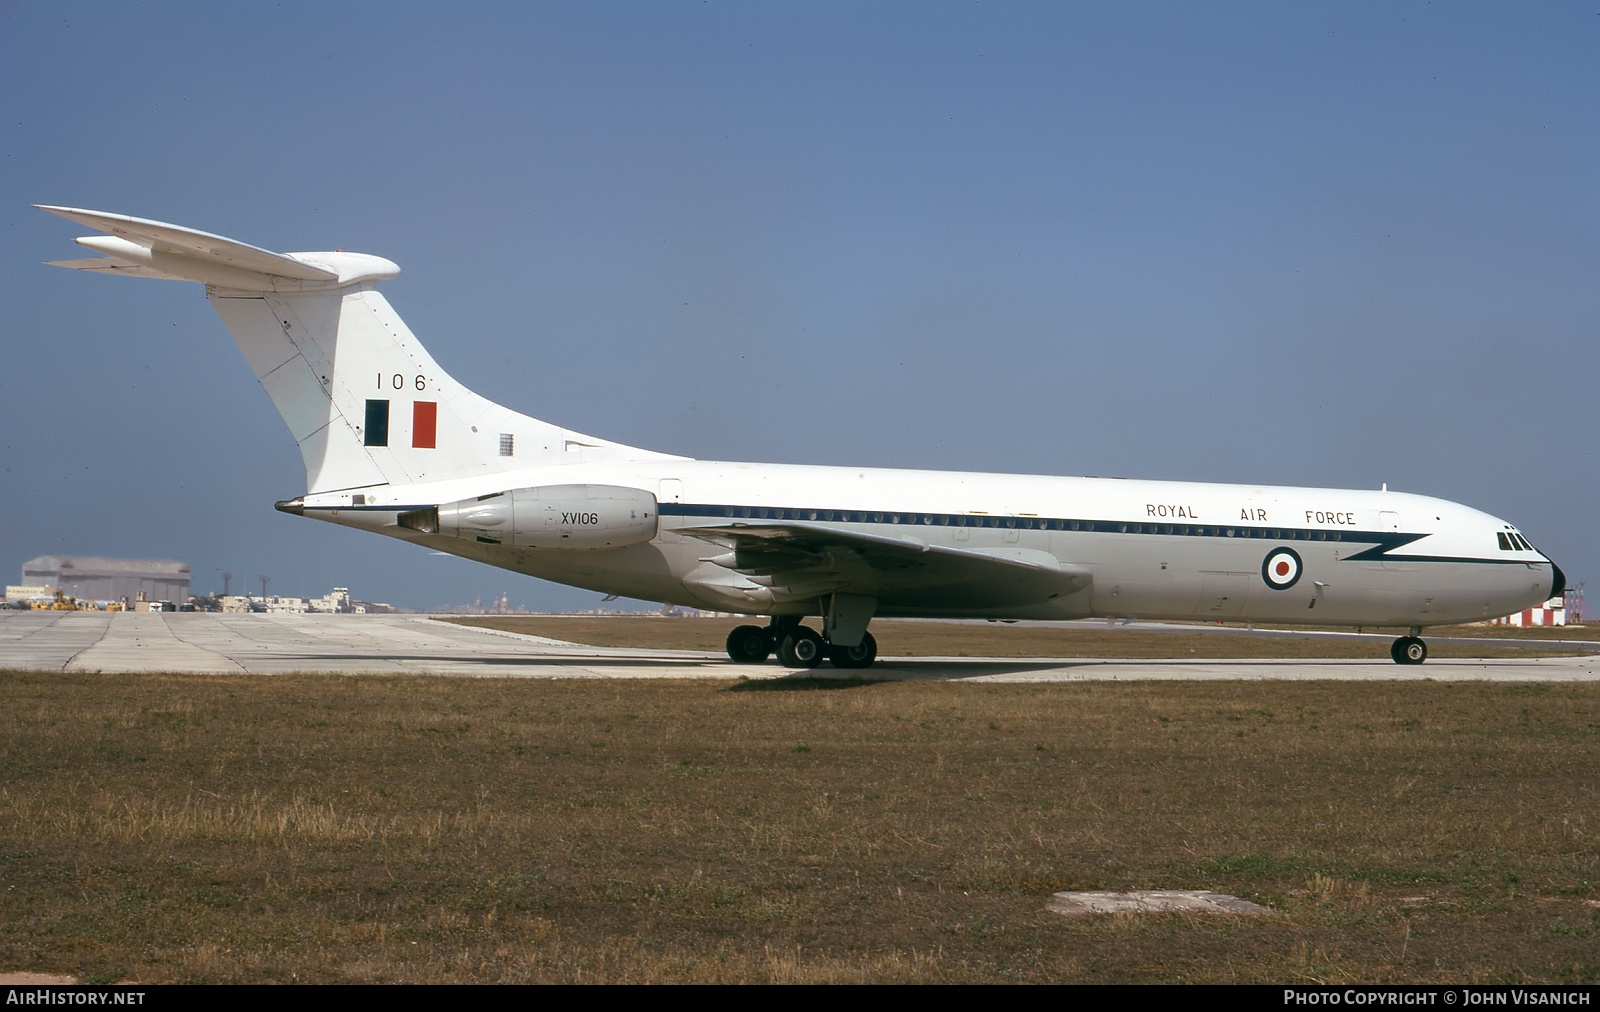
x=899 y=669
x=768 y=677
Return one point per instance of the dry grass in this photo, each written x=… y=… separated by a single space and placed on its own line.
x=170 y=828
x=960 y=639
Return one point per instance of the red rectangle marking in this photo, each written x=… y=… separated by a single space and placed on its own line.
x=424 y=425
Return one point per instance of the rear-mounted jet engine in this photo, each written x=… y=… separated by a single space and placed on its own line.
x=547 y=516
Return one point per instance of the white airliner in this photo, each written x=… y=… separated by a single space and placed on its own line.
x=392 y=444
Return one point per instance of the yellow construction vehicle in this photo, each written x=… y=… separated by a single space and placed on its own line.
x=59 y=603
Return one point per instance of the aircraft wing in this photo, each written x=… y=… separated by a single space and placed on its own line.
x=797 y=561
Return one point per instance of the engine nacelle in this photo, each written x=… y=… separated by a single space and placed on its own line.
x=546 y=516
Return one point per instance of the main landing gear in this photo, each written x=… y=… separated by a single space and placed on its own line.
x=797 y=646
x=1409 y=649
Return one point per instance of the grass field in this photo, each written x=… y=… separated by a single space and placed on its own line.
x=172 y=828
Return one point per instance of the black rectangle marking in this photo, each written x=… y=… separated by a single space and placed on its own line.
x=377 y=430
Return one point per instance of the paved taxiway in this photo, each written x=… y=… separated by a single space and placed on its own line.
x=201 y=643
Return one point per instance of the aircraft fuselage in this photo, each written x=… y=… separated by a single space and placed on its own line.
x=1155 y=549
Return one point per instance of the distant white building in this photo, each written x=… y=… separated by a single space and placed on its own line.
x=336 y=602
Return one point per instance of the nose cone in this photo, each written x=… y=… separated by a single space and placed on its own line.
x=1558 y=581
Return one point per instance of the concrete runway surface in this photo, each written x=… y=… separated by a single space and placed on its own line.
x=206 y=643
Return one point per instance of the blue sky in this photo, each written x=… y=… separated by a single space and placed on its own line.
x=1305 y=244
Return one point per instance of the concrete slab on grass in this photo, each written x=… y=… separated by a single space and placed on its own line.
x=1154 y=901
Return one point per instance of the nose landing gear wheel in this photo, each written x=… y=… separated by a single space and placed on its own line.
x=802 y=648
x=1408 y=650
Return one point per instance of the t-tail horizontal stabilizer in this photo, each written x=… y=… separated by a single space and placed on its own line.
x=154 y=249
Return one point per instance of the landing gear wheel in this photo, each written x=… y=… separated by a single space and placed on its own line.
x=859 y=656
x=802 y=648
x=749 y=644
x=1408 y=650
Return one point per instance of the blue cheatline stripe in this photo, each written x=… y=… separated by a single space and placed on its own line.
x=1025 y=523
x=1382 y=542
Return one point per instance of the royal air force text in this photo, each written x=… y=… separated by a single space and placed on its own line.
x=1249 y=514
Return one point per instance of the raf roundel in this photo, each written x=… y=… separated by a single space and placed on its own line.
x=1281 y=568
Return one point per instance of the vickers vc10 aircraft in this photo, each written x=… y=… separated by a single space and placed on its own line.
x=392 y=444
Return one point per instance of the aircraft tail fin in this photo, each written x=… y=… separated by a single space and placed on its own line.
x=363 y=399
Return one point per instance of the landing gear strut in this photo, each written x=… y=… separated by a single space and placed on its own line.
x=1409 y=649
x=797 y=646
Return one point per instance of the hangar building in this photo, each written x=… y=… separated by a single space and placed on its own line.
x=91 y=579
